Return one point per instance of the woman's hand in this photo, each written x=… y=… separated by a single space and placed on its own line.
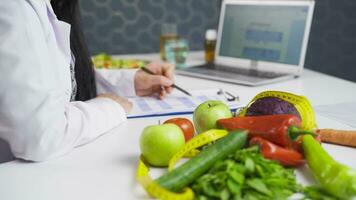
x=160 y=83
x=126 y=104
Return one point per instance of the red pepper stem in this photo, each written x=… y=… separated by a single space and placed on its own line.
x=294 y=132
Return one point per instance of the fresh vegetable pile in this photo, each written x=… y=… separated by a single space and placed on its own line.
x=246 y=175
x=250 y=156
x=105 y=61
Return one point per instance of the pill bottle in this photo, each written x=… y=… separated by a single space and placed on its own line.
x=209 y=45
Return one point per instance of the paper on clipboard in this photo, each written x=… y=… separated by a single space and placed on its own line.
x=175 y=103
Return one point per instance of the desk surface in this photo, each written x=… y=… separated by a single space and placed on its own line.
x=105 y=168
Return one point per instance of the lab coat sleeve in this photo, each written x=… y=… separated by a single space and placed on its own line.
x=36 y=117
x=120 y=82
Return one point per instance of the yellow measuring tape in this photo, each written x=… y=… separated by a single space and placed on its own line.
x=189 y=150
x=301 y=103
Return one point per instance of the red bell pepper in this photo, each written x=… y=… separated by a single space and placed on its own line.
x=282 y=130
x=286 y=157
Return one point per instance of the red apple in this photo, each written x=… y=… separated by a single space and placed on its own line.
x=185 y=124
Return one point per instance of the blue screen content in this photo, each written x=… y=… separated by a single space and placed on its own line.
x=264 y=33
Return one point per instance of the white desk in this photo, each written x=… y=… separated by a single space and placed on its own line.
x=105 y=168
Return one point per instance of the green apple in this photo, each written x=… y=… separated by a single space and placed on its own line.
x=158 y=143
x=208 y=113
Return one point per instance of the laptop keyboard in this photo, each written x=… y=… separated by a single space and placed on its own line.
x=233 y=73
x=242 y=71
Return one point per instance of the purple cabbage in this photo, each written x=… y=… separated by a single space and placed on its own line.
x=271 y=106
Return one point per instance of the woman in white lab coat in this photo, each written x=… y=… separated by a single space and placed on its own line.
x=48 y=97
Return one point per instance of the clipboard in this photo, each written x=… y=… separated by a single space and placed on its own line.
x=176 y=103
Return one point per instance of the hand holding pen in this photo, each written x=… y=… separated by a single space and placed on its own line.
x=155 y=78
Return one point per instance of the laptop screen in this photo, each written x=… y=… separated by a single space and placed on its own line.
x=264 y=32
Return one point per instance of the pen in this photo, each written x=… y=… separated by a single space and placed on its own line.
x=174 y=85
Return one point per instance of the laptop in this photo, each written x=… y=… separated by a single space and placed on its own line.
x=259 y=42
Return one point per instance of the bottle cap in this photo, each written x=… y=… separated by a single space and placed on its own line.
x=210 y=34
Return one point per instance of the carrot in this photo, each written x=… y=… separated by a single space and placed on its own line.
x=347 y=138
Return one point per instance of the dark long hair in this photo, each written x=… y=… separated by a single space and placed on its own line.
x=69 y=11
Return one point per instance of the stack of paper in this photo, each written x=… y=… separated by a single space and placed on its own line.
x=175 y=103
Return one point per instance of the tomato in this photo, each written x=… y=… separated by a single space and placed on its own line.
x=185 y=124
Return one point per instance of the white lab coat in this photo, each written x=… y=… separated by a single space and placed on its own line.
x=37 y=119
